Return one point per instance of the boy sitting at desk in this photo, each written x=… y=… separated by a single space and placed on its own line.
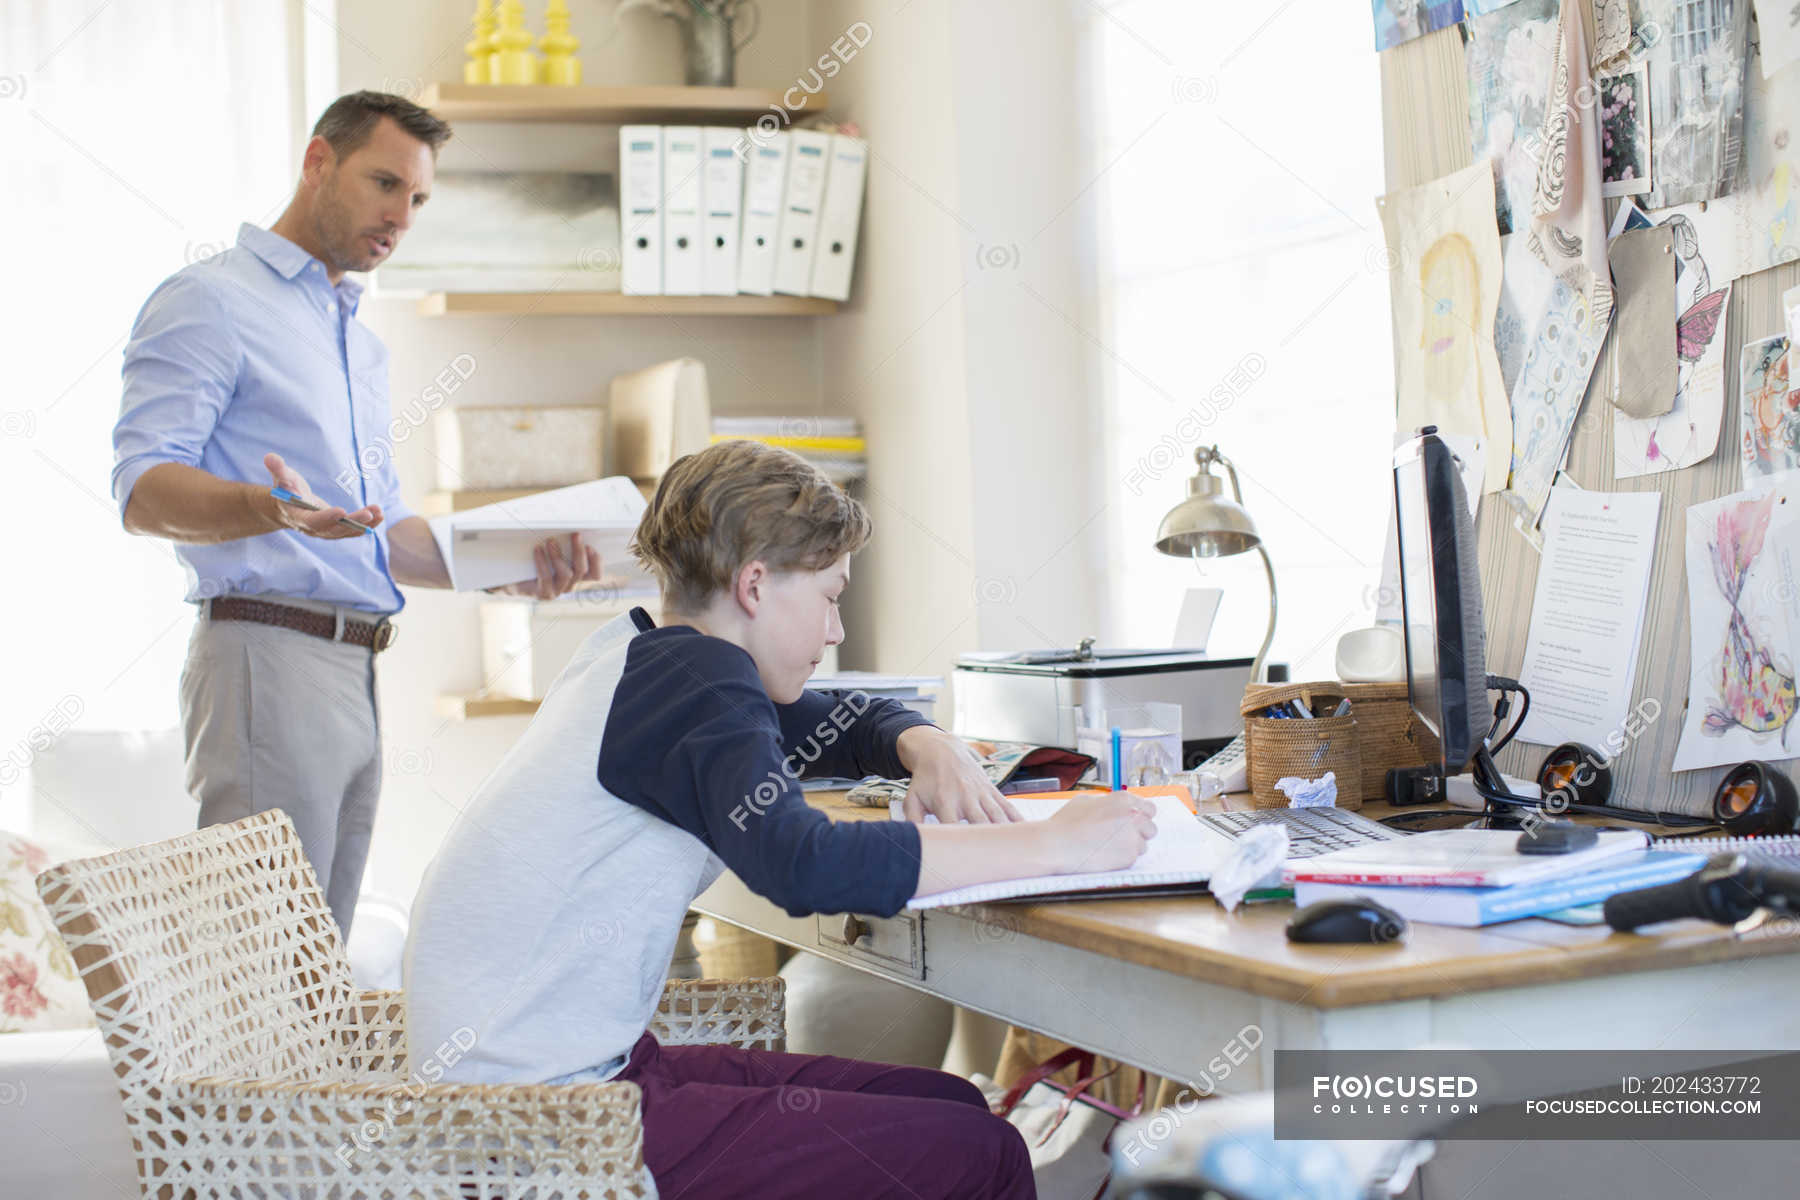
x=662 y=755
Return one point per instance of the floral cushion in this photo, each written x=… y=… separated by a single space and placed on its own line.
x=39 y=988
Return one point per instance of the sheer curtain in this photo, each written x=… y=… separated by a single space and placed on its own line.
x=1245 y=301
x=137 y=136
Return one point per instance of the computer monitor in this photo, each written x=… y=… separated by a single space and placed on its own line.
x=1440 y=599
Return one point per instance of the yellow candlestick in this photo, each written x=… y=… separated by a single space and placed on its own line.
x=480 y=48
x=561 y=67
x=513 y=60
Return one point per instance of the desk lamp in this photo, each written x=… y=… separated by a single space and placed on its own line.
x=1207 y=525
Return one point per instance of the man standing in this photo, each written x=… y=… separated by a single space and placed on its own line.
x=246 y=371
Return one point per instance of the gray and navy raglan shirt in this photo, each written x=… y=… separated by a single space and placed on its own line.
x=542 y=933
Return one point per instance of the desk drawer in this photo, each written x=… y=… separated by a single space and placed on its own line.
x=893 y=944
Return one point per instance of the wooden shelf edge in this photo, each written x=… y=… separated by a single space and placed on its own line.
x=664 y=104
x=467 y=708
x=617 y=304
x=440 y=503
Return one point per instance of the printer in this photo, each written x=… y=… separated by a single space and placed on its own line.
x=1044 y=696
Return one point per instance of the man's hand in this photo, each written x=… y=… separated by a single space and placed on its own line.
x=322 y=524
x=557 y=570
x=947 y=780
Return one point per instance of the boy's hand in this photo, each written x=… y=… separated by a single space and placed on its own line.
x=947 y=780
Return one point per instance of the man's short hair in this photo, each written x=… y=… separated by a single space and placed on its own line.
x=350 y=121
x=737 y=502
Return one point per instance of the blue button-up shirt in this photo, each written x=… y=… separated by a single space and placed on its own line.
x=252 y=351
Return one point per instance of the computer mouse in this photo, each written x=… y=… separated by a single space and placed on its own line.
x=1353 y=919
x=1556 y=837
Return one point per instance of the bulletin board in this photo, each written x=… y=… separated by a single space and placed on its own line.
x=1425 y=125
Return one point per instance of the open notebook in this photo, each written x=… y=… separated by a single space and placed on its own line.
x=1184 y=851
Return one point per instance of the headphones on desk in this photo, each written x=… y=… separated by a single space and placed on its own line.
x=1752 y=798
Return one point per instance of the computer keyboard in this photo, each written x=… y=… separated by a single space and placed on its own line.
x=1310 y=830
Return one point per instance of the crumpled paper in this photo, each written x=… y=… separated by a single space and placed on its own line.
x=1309 y=793
x=1256 y=859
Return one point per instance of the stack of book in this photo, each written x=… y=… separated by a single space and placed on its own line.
x=1478 y=877
x=833 y=444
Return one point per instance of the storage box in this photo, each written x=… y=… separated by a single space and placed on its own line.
x=1379 y=732
x=525 y=644
x=659 y=414
x=483 y=447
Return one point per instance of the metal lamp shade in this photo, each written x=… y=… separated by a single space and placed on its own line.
x=1206 y=524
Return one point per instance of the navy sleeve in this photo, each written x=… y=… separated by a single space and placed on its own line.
x=847 y=734
x=694 y=739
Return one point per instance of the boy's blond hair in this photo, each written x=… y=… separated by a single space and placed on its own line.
x=737 y=502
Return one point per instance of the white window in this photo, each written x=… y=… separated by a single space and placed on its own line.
x=137 y=136
x=1244 y=295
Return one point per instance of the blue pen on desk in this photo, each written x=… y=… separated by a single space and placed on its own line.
x=1118 y=770
x=287 y=497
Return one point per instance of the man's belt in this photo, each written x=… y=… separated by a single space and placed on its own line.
x=376 y=635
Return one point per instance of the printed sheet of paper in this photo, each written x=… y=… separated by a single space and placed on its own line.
x=1689 y=432
x=1769 y=411
x=492 y=545
x=1509 y=55
x=1743 y=582
x=1444 y=281
x=1778 y=26
x=1587 y=615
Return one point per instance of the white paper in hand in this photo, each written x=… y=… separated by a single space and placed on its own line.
x=491 y=546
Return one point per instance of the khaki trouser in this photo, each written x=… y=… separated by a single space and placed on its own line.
x=274 y=718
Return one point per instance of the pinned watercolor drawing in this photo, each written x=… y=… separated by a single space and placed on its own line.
x=1399 y=21
x=1769 y=410
x=1741 y=601
x=1444 y=281
x=1509 y=54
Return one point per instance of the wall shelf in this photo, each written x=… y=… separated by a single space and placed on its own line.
x=650 y=105
x=616 y=304
x=465 y=708
x=441 y=503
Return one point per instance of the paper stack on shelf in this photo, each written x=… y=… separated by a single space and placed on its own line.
x=833 y=444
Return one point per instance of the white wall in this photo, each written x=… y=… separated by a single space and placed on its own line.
x=966 y=348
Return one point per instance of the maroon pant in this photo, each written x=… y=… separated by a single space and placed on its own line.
x=719 y=1121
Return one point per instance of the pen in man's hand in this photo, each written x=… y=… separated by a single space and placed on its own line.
x=287 y=497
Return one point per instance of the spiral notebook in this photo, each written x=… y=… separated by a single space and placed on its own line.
x=1782 y=850
x=1185 y=850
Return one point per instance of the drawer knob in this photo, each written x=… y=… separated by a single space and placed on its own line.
x=855 y=929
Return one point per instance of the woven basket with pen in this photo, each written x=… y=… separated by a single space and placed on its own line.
x=1378 y=731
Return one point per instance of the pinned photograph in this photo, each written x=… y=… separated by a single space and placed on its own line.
x=1624 y=100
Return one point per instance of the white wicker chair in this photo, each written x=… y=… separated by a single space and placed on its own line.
x=250 y=1066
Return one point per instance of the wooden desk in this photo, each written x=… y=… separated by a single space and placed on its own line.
x=1166 y=984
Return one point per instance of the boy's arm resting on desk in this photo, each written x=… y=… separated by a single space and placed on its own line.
x=849 y=734
x=846 y=734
